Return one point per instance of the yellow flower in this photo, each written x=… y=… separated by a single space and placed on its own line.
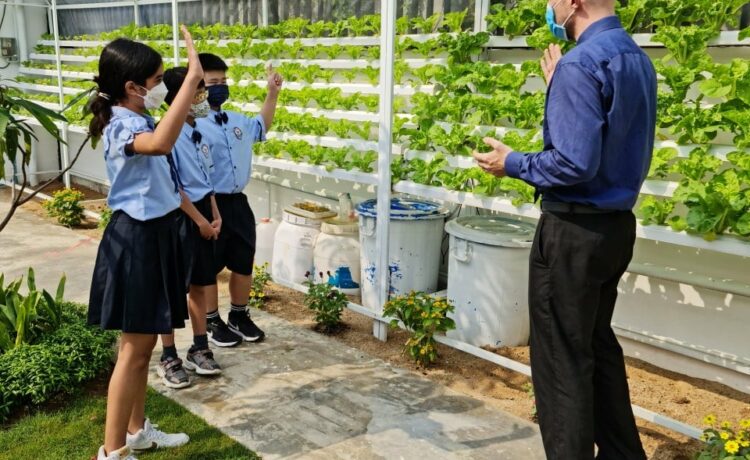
x=422 y=351
x=724 y=435
x=709 y=420
x=732 y=447
x=745 y=424
x=726 y=425
x=410 y=302
x=745 y=443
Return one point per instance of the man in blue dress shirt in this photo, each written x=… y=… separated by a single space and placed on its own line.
x=599 y=125
x=231 y=136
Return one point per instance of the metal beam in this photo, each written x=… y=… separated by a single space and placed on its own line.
x=385 y=147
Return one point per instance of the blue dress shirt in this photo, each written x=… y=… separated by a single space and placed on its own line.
x=142 y=186
x=231 y=144
x=192 y=156
x=599 y=125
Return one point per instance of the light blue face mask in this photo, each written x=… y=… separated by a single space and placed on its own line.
x=558 y=30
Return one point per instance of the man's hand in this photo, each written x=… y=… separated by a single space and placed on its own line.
x=275 y=80
x=493 y=162
x=552 y=56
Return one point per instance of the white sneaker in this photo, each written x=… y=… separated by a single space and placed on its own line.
x=149 y=437
x=122 y=453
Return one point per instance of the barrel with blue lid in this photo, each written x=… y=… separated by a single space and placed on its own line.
x=416 y=235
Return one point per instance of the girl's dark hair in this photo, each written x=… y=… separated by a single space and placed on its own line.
x=212 y=62
x=121 y=61
x=173 y=79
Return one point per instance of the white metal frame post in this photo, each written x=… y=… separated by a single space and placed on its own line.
x=264 y=13
x=23 y=47
x=176 y=33
x=63 y=126
x=385 y=146
x=481 y=10
x=136 y=13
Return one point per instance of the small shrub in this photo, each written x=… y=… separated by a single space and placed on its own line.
x=261 y=277
x=65 y=206
x=59 y=362
x=424 y=316
x=24 y=318
x=104 y=217
x=725 y=441
x=327 y=302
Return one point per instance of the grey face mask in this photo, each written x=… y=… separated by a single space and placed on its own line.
x=200 y=110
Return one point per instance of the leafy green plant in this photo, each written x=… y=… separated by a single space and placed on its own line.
x=656 y=211
x=24 y=318
x=104 y=217
x=517 y=18
x=261 y=278
x=454 y=22
x=66 y=207
x=424 y=316
x=326 y=302
x=724 y=441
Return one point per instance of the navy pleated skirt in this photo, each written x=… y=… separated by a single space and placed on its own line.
x=141 y=275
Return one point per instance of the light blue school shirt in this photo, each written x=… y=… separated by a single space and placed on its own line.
x=194 y=163
x=231 y=146
x=142 y=186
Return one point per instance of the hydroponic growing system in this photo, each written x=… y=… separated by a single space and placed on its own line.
x=379 y=104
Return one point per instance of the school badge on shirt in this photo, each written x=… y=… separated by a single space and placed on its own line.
x=204 y=150
x=238 y=133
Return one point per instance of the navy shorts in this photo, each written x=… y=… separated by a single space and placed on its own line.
x=203 y=251
x=235 y=248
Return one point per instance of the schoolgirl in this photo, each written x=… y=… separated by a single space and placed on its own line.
x=139 y=280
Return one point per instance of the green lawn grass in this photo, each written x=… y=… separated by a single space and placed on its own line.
x=76 y=431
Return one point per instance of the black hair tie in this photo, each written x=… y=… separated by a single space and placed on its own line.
x=222 y=117
x=197 y=137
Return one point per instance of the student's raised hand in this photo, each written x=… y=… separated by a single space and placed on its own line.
x=552 y=56
x=194 y=64
x=275 y=80
x=493 y=162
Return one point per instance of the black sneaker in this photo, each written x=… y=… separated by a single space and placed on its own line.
x=202 y=362
x=241 y=324
x=220 y=335
x=172 y=373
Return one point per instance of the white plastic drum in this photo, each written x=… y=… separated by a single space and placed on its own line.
x=488 y=272
x=416 y=234
x=336 y=255
x=265 y=231
x=293 y=247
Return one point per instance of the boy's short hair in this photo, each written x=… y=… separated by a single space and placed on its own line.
x=173 y=79
x=212 y=62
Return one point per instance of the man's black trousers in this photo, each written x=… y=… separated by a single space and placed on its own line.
x=577 y=364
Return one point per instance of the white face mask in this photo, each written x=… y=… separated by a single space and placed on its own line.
x=155 y=96
x=200 y=110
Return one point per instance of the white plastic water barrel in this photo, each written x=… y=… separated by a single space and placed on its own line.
x=416 y=234
x=488 y=273
x=293 y=247
x=336 y=255
x=265 y=231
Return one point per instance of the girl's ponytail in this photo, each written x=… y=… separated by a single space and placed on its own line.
x=100 y=106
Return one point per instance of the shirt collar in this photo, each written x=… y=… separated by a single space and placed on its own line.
x=608 y=23
x=119 y=111
x=187 y=130
x=212 y=115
